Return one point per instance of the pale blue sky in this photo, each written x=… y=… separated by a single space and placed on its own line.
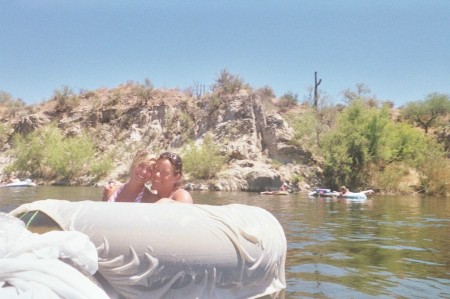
x=399 y=49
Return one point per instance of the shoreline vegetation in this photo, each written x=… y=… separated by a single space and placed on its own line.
x=231 y=137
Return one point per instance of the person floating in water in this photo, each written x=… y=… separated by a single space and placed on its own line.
x=284 y=189
x=343 y=191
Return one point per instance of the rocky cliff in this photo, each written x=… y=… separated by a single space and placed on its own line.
x=123 y=119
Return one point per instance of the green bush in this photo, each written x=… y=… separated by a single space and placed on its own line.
x=46 y=153
x=103 y=166
x=3 y=134
x=347 y=150
x=76 y=157
x=389 y=179
x=434 y=168
x=202 y=161
x=304 y=126
x=29 y=152
x=403 y=143
x=367 y=147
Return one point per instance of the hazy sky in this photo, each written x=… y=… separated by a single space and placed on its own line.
x=399 y=49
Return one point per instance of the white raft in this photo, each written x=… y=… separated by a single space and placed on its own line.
x=18 y=183
x=177 y=250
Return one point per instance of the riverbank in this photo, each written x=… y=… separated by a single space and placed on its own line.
x=90 y=138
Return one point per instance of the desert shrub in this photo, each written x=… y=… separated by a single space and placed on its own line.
x=10 y=106
x=77 y=154
x=265 y=92
x=304 y=126
x=178 y=123
x=65 y=99
x=102 y=166
x=202 y=161
x=3 y=134
x=402 y=143
x=434 y=168
x=296 y=178
x=404 y=148
x=214 y=102
x=287 y=101
x=389 y=179
x=144 y=91
x=276 y=164
x=113 y=98
x=29 y=151
x=228 y=83
x=46 y=153
x=345 y=149
x=367 y=146
x=352 y=146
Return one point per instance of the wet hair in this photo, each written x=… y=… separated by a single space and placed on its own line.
x=141 y=157
x=175 y=160
x=343 y=188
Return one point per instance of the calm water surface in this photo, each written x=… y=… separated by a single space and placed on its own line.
x=385 y=247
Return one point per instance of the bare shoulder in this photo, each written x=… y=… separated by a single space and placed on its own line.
x=183 y=196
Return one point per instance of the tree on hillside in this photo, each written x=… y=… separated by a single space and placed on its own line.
x=426 y=113
x=363 y=93
x=10 y=106
x=228 y=83
x=350 y=148
x=367 y=148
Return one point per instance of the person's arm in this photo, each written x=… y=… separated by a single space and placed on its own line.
x=370 y=191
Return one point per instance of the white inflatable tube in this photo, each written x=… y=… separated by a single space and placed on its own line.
x=178 y=250
x=349 y=195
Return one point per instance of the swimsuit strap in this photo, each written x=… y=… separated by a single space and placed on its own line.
x=139 y=196
x=117 y=192
x=173 y=193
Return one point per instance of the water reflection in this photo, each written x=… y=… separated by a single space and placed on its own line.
x=384 y=247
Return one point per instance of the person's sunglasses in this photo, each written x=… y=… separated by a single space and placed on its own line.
x=174 y=159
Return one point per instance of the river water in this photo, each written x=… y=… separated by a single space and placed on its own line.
x=384 y=247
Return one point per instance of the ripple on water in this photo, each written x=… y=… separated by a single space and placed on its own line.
x=302 y=245
x=402 y=247
x=321 y=269
x=320 y=289
x=421 y=288
x=415 y=261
